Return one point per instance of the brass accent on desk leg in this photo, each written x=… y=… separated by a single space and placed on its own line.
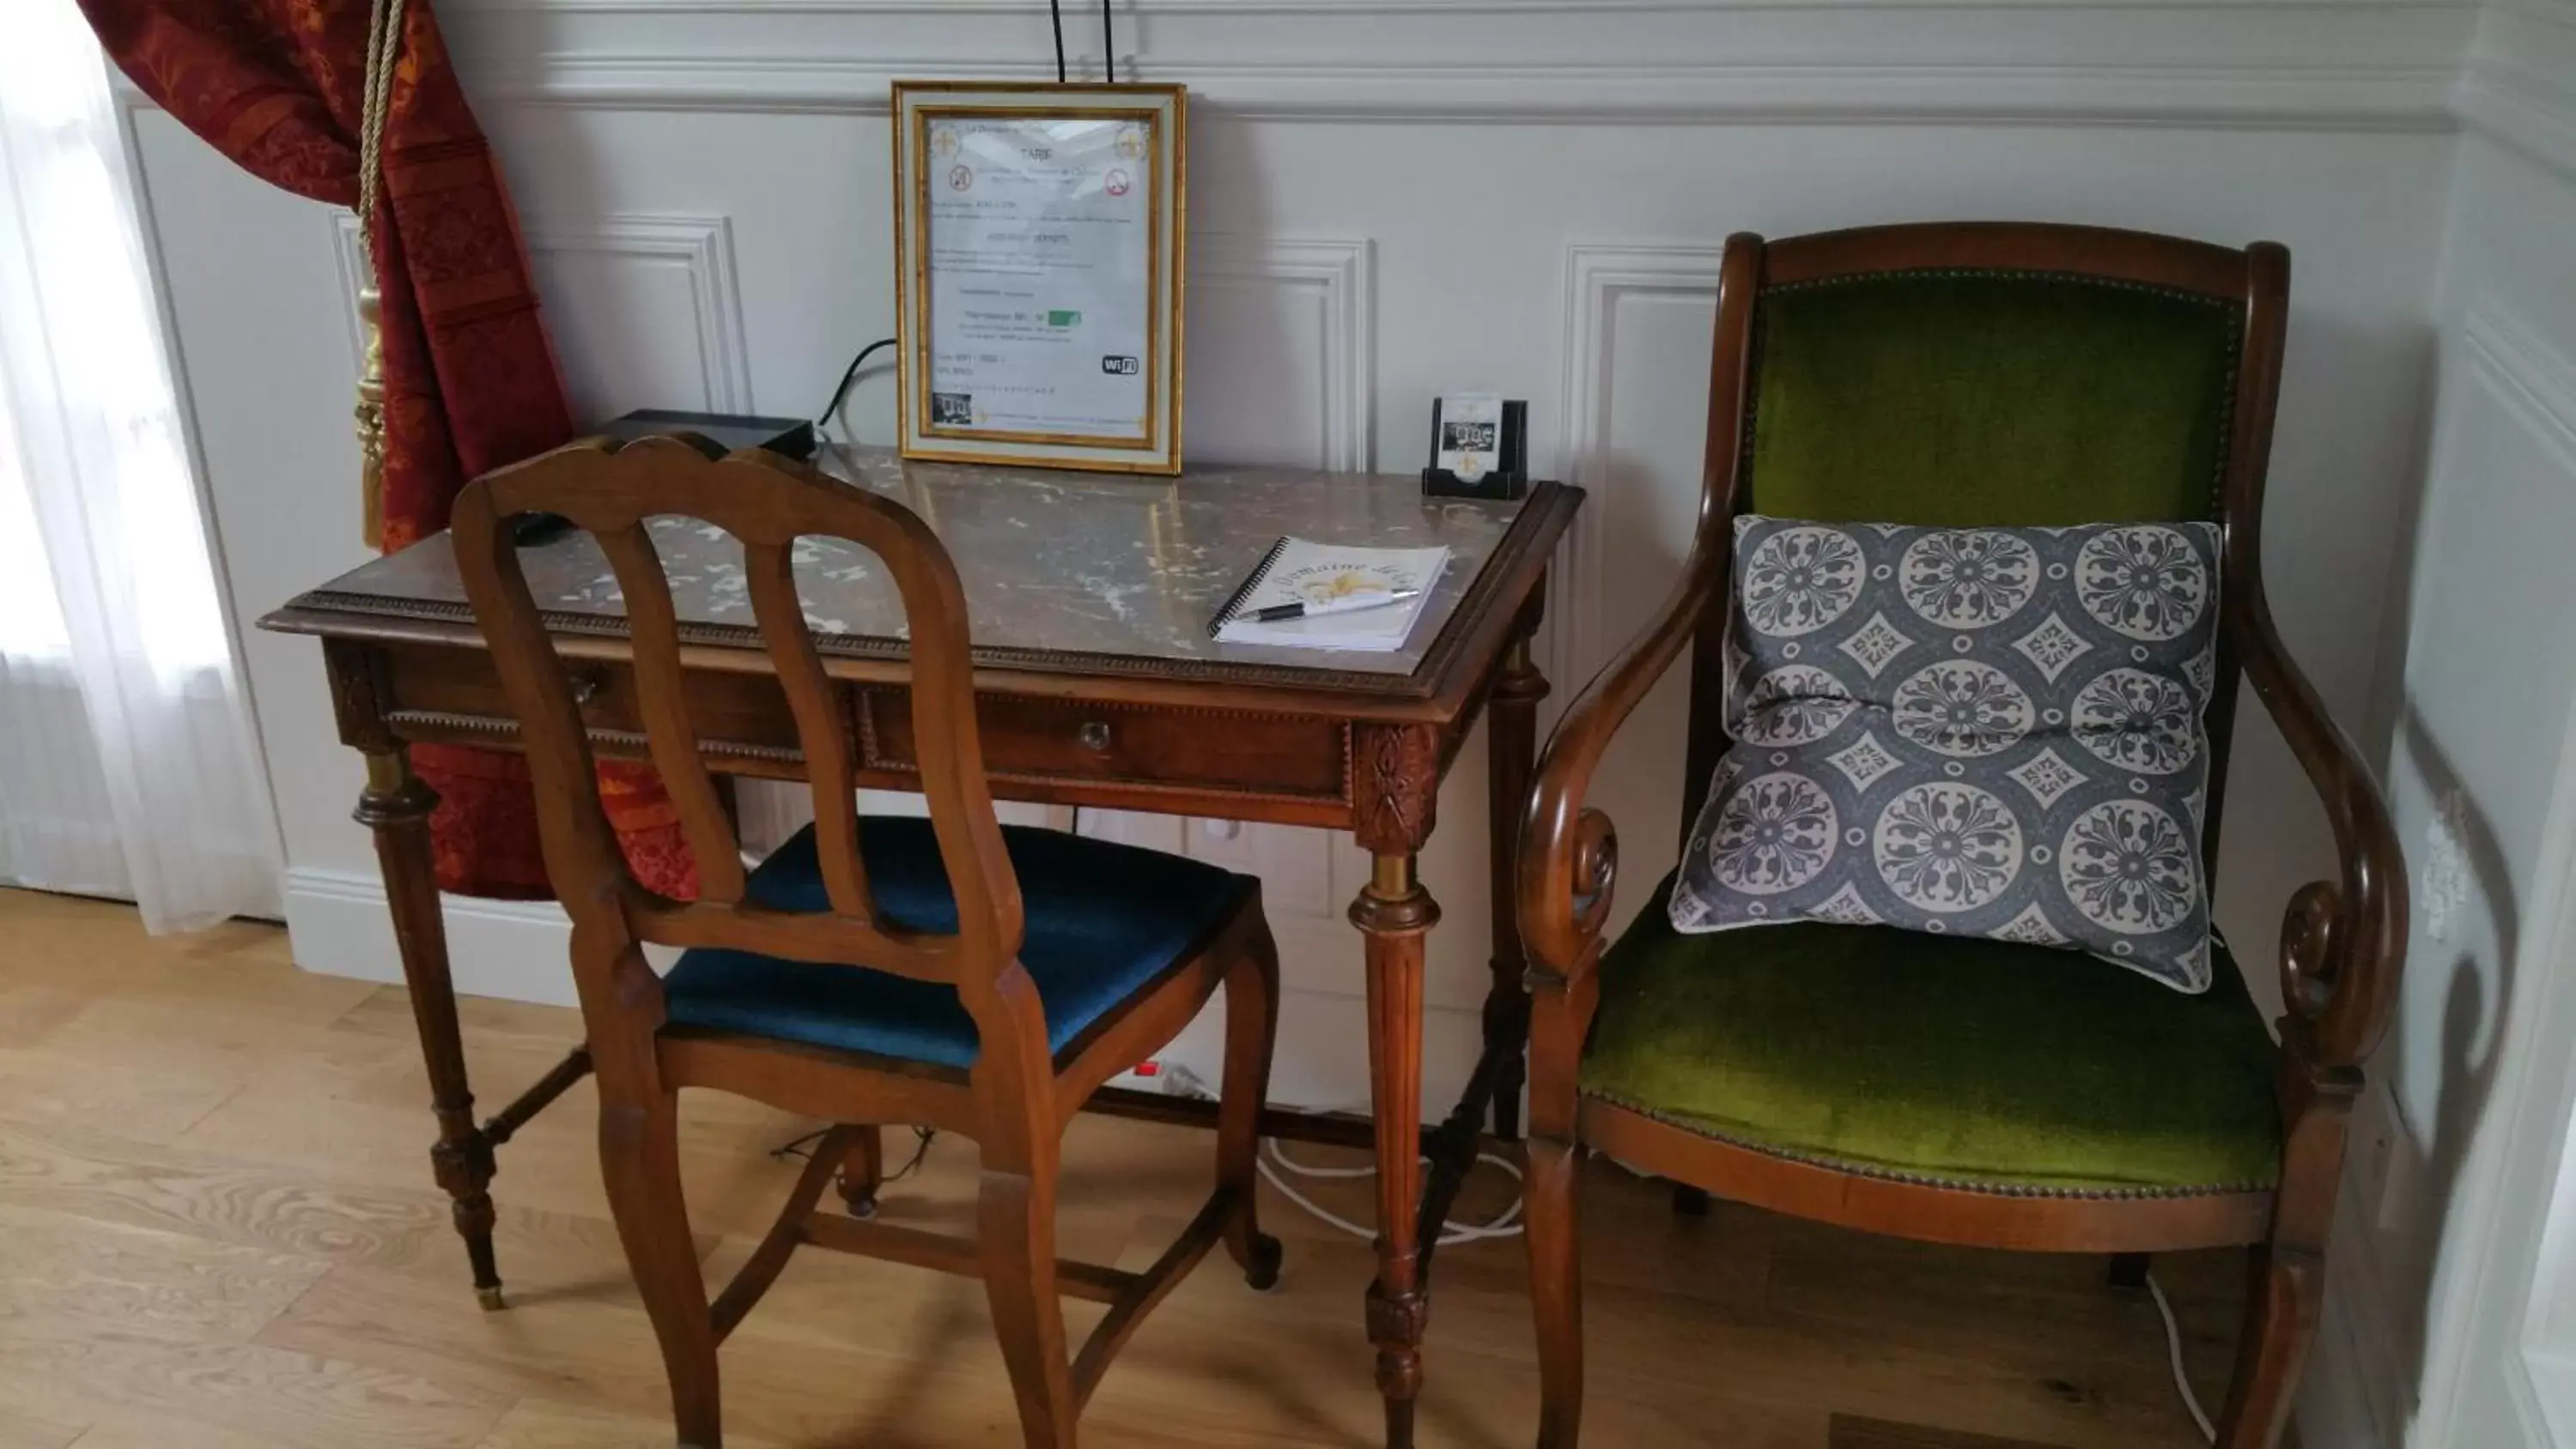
x=396 y=806
x=1511 y=750
x=1394 y=913
x=370 y=415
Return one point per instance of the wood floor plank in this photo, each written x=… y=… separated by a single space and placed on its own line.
x=1853 y=1433
x=25 y=1430
x=540 y=1424
x=75 y=1274
x=282 y=1398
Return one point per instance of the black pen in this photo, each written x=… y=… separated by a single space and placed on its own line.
x=1348 y=604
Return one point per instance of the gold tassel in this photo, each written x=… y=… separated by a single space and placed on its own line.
x=371 y=419
x=384 y=53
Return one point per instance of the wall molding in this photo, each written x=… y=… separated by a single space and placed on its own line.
x=702 y=246
x=1340 y=277
x=2334 y=64
x=2503 y=95
x=1597 y=277
x=2532 y=379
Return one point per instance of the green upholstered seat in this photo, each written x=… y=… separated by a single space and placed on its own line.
x=1962 y=399
x=1899 y=1054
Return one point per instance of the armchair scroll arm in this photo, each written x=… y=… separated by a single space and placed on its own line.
x=2343 y=941
x=1569 y=852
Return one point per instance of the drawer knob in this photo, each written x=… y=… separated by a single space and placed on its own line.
x=1093 y=734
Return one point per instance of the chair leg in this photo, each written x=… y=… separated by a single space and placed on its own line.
x=1016 y=1216
x=2282 y=1306
x=1251 y=1032
x=863 y=1171
x=1556 y=1288
x=639 y=1155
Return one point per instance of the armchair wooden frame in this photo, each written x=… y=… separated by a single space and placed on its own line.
x=1019 y=1095
x=2341 y=939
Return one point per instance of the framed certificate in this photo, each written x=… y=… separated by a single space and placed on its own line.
x=1038 y=258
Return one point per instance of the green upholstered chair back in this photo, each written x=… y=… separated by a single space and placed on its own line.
x=1964 y=397
x=1966 y=374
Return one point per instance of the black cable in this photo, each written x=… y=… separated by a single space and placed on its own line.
x=824 y=418
x=1108 y=46
x=923 y=1137
x=804 y=1147
x=1055 y=9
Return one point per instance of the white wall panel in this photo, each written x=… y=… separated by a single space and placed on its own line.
x=2455 y=1254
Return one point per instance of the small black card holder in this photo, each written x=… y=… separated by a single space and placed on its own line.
x=1511 y=480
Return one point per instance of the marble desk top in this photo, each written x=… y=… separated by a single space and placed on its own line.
x=1053 y=563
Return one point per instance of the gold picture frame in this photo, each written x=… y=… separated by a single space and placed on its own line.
x=1026 y=390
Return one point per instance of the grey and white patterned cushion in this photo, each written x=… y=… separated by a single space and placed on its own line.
x=1973 y=732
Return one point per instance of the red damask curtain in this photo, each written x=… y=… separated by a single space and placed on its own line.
x=470 y=378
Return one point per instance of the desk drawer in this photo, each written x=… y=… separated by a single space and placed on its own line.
x=454 y=694
x=1044 y=739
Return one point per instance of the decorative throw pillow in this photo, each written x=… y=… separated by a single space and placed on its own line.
x=1985 y=732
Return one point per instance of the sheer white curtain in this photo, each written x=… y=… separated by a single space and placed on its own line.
x=127 y=760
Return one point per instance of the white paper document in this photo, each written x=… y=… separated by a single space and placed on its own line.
x=1299 y=572
x=1041 y=298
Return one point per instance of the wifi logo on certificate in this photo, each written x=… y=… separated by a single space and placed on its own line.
x=1040 y=237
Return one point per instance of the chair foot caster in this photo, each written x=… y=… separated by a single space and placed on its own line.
x=862 y=1207
x=490 y=1298
x=1263 y=1275
x=1689 y=1201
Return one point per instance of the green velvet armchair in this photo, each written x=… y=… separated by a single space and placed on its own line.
x=1953 y=1090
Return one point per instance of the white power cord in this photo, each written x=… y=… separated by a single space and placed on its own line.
x=2173 y=1351
x=1275 y=1162
x=1276 y=1167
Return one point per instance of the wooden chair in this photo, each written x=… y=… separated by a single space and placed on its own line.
x=948 y=972
x=1958 y=375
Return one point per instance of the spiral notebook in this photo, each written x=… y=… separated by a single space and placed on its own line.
x=1297 y=571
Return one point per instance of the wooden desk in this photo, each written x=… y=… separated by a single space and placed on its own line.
x=1097 y=685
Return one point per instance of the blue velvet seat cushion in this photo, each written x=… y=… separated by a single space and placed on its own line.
x=1103 y=920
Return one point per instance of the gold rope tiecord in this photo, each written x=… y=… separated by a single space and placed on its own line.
x=384 y=47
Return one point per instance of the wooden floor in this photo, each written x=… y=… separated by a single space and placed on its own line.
x=217 y=1231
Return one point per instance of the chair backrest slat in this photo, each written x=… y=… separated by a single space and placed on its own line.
x=767 y=504
x=668 y=731
x=828 y=766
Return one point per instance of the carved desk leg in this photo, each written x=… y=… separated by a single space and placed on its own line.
x=1511 y=748
x=396 y=806
x=1394 y=913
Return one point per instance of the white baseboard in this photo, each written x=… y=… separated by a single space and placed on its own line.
x=337 y=925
